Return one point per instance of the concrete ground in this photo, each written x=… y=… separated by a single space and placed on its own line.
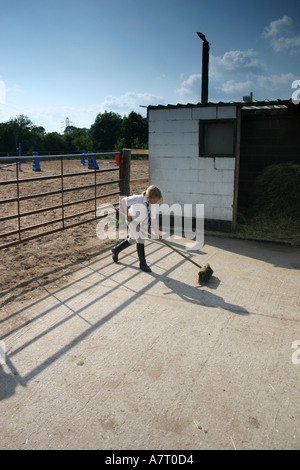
x=109 y=357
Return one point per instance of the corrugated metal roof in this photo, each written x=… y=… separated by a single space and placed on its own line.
x=249 y=105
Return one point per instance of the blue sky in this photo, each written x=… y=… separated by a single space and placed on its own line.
x=76 y=58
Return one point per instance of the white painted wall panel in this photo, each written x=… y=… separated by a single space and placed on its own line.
x=221 y=213
x=175 y=165
x=228 y=177
x=204 y=113
x=202 y=164
x=173 y=126
x=226 y=112
x=174 y=138
x=223 y=188
x=173 y=150
x=224 y=163
x=174 y=114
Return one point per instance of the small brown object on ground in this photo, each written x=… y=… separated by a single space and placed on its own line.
x=205 y=272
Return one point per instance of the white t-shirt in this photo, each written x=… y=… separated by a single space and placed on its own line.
x=138 y=208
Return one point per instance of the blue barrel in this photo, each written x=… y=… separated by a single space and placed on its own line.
x=92 y=164
x=35 y=162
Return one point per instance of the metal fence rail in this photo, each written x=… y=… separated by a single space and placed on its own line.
x=13 y=206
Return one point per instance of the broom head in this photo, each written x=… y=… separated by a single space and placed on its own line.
x=204 y=274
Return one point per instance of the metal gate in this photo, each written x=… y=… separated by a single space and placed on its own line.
x=35 y=206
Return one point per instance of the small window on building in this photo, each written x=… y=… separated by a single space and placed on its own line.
x=217 y=138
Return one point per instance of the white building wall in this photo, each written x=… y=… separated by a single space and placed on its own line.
x=175 y=165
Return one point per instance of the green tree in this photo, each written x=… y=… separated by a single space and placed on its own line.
x=36 y=140
x=105 y=131
x=54 y=143
x=7 y=140
x=134 y=131
x=38 y=130
x=78 y=139
x=82 y=140
x=15 y=131
x=108 y=132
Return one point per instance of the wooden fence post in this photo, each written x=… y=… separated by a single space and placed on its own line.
x=125 y=160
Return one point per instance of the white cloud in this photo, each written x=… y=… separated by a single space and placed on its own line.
x=128 y=102
x=14 y=88
x=263 y=86
x=291 y=44
x=283 y=34
x=230 y=77
x=275 y=82
x=284 y=25
x=273 y=86
x=190 y=88
x=231 y=86
x=53 y=118
x=236 y=61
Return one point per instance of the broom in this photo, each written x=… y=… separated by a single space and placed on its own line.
x=205 y=272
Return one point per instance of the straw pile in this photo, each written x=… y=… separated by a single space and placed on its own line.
x=275 y=211
x=277 y=190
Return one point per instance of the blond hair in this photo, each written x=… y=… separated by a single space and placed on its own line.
x=153 y=191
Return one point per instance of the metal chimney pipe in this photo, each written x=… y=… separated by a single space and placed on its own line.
x=205 y=63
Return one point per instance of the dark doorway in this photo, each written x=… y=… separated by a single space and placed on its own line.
x=269 y=135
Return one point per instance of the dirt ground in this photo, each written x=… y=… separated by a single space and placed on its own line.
x=37 y=260
x=103 y=356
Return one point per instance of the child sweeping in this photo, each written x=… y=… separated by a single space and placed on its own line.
x=140 y=212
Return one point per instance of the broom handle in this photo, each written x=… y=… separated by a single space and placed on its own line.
x=181 y=254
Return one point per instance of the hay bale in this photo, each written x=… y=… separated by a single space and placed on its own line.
x=277 y=190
